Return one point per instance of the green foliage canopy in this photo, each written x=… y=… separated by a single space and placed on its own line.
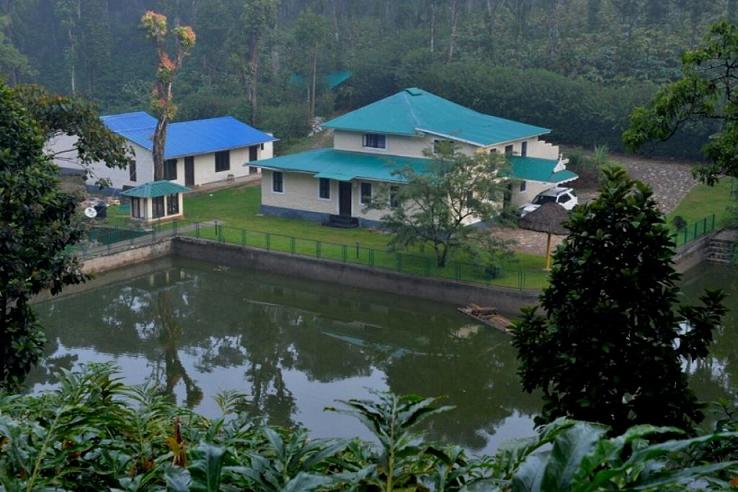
x=610 y=347
x=707 y=91
x=37 y=224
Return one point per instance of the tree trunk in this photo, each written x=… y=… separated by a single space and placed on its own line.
x=454 y=29
x=314 y=85
x=433 y=26
x=254 y=79
x=160 y=138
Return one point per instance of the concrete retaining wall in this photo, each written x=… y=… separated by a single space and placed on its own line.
x=447 y=291
x=692 y=254
x=136 y=254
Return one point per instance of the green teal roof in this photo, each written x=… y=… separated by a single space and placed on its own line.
x=332 y=80
x=536 y=169
x=345 y=166
x=341 y=165
x=154 y=189
x=414 y=111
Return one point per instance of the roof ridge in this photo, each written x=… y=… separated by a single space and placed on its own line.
x=405 y=95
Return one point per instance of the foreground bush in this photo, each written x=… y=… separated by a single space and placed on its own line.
x=94 y=433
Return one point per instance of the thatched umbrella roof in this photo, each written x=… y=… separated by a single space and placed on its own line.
x=546 y=218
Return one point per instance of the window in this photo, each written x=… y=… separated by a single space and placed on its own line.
x=492 y=151
x=564 y=198
x=375 y=141
x=132 y=170
x=541 y=199
x=524 y=149
x=324 y=185
x=253 y=153
x=173 y=204
x=394 y=196
x=136 y=209
x=253 y=170
x=170 y=169
x=509 y=150
x=158 y=206
x=523 y=185
x=222 y=161
x=366 y=193
x=277 y=182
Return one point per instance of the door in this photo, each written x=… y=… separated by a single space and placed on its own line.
x=189 y=171
x=253 y=153
x=344 y=198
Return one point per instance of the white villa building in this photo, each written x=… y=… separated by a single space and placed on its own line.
x=371 y=143
x=197 y=152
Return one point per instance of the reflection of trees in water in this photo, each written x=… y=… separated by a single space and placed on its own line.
x=268 y=326
x=169 y=337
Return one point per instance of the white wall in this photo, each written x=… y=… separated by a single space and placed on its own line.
x=396 y=145
x=536 y=148
x=118 y=177
x=204 y=164
x=301 y=193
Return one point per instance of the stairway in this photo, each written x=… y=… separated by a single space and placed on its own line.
x=342 y=221
x=721 y=248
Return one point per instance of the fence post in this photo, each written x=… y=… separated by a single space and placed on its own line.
x=398 y=258
x=197 y=230
x=268 y=241
x=371 y=257
x=704 y=226
x=357 y=249
x=686 y=234
x=215 y=231
x=344 y=252
x=317 y=249
x=695 y=230
x=292 y=245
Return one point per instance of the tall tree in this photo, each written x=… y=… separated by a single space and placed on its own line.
x=37 y=224
x=258 y=19
x=707 y=91
x=610 y=346
x=13 y=63
x=311 y=32
x=162 y=102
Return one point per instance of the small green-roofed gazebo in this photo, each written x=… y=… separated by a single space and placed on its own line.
x=156 y=200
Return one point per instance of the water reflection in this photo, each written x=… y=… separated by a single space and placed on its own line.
x=716 y=377
x=292 y=346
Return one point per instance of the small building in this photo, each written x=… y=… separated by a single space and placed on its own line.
x=371 y=143
x=197 y=152
x=156 y=200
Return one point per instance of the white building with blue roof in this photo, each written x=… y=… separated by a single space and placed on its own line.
x=197 y=152
x=371 y=143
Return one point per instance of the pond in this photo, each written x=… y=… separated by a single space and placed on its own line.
x=293 y=346
x=296 y=347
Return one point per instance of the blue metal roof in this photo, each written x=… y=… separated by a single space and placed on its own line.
x=185 y=138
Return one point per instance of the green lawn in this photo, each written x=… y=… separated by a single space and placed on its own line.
x=237 y=212
x=703 y=201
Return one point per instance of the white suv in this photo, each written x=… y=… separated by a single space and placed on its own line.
x=561 y=196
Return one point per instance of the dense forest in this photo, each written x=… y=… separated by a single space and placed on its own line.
x=577 y=66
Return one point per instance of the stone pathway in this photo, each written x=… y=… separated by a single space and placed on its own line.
x=670 y=180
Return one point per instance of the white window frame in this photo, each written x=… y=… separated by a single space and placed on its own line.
x=283 y=180
x=361 y=193
x=330 y=190
x=379 y=149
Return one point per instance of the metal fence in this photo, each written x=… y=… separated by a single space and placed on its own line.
x=693 y=231
x=424 y=265
x=508 y=274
